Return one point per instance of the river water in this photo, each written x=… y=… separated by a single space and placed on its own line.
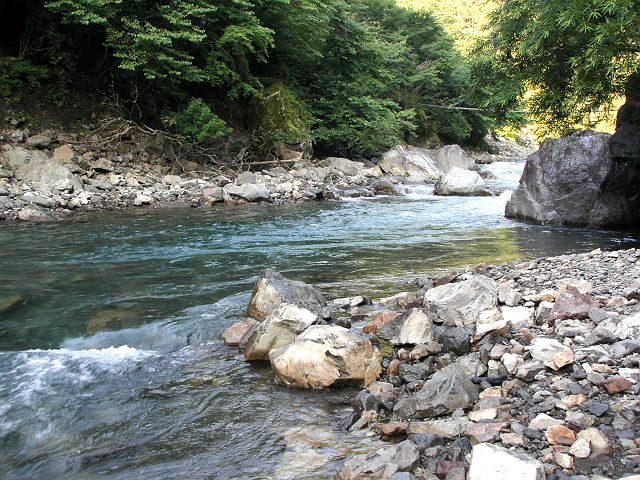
x=111 y=363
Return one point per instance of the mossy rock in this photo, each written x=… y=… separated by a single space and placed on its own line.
x=280 y=117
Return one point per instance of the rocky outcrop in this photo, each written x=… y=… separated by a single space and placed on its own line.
x=279 y=329
x=36 y=167
x=272 y=289
x=625 y=143
x=572 y=181
x=326 y=356
x=459 y=182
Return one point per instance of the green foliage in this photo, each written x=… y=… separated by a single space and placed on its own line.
x=20 y=76
x=571 y=56
x=360 y=75
x=199 y=123
x=279 y=116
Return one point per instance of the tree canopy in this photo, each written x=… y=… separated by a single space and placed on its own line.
x=566 y=59
x=367 y=73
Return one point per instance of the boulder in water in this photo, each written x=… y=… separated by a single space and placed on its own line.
x=459 y=182
x=272 y=289
x=453 y=156
x=326 y=356
x=573 y=181
x=279 y=329
x=233 y=335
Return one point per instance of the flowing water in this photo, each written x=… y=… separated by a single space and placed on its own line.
x=111 y=363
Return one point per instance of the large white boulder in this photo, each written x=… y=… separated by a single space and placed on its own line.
x=465 y=304
x=272 y=289
x=249 y=192
x=451 y=156
x=460 y=182
x=404 y=161
x=325 y=356
x=493 y=462
x=279 y=329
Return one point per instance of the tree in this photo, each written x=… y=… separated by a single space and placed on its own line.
x=566 y=59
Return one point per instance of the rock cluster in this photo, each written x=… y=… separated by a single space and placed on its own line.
x=527 y=370
x=45 y=177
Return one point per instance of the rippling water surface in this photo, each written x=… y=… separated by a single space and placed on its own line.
x=111 y=364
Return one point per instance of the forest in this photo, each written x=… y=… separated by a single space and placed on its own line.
x=348 y=78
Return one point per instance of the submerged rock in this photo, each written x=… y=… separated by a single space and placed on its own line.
x=326 y=356
x=272 y=289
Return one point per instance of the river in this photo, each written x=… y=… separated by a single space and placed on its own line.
x=111 y=363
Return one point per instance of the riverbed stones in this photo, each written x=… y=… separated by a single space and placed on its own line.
x=249 y=192
x=448 y=390
x=325 y=356
x=414 y=327
x=39 y=141
x=459 y=182
x=572 y=304
x=497 y=463
x=271 y=289
x=551 y=352
x=383 y=464
x=465 y=304
x=280 y=328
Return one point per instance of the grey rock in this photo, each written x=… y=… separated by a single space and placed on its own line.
x=452 y=156
x=528 y=371
x=566 y=182
x=382 y=464
x=411 y=328
x=245 y=178
x=497 y=463
x=280 y=328
x=600 y=335
x=459 y=182
x=38 y=168
x=272 y=289
x=448 y=390
x=410 y=161
x=465 y=304
x=249 y=192
x=344 y=165
x=453 y=339
x=39 y=141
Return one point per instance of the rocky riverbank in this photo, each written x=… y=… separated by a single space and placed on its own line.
x=527 y=370
x=51 y=176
